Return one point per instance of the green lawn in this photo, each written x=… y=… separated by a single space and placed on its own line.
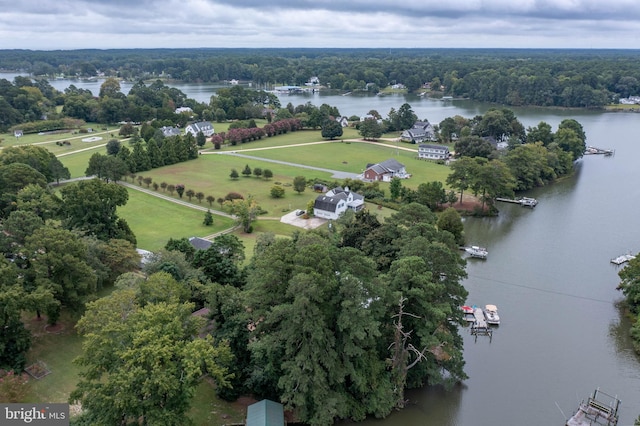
x=301 y=136
x=208 y=410
x=77 y=162
x=57 y=351
x=210 y=174
x=154 y=220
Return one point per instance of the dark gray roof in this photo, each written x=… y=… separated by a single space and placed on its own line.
x=426 y=145
x=201 y=126
x=424 y=125
x=346 y=192
x=200 y=243
x=170 y=131
x=329 y=204
x=392 y=165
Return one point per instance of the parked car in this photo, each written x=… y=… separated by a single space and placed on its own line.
x=300 y=212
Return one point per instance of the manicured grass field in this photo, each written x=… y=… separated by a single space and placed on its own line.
x=154 y=220
x=301 y=136
x=210 y=174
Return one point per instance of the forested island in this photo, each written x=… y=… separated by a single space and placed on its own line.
x=540 y=77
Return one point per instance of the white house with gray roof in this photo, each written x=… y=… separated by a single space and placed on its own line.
x=337 y=201
x=421 y=131
x=202 y=126
x=433 y=152
x=169 y=131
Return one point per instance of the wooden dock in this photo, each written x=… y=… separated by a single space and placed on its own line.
x=599 y=409
x=479 y=327
x=524 y=201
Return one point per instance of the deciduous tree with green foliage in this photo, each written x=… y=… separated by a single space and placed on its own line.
x=277 y=191
x=299 y=184
x=90 y=206
x=370 y=129
x=142 y=359
x=15 y=339
x=331 y=129
x=58 y=263
x=245 y=211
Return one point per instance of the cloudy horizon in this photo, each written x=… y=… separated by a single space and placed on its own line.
x=106 y=24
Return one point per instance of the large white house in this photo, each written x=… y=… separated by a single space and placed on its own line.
x=337 y=201
x=202 y=126
x=433 y=152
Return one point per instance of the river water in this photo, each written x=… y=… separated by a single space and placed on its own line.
x=563 y=332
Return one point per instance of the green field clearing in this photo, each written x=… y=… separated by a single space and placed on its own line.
x=77 y=162
x=210 y=175
x=301 y=136
x=353 y=157
x=154 y=221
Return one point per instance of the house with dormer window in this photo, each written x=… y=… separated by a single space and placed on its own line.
x=421 y=131
x=202 y=126
x=337 y=201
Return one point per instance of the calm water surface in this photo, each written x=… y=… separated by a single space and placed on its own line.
x=563 y=333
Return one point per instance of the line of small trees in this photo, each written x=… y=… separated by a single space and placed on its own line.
x=248 y=171
x=236 y=136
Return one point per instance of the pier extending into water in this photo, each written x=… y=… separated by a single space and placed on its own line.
x=524 y=201
x=479 y=327
x=594 y=150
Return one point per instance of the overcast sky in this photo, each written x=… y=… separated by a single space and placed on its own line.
x=75 y=24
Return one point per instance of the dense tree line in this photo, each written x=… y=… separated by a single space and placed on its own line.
x=529 y=158
x=544 y=77
x=58 y=250
x=322 y=321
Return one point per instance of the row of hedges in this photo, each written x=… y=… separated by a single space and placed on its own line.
x=47 y=125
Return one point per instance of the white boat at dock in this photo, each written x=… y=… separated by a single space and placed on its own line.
x=491 y=314
x=622 y=259
x=477 y=252
x=523 y=201
x=599 y=409
x=528 y=202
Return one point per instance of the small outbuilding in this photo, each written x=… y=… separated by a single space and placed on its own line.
x=265 y=413
x=199 y=243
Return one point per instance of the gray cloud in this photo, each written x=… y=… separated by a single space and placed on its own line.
x=68 y=24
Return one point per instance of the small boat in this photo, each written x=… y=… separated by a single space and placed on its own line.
x=467 y=312
x=622 y=259
x=528 y=202
x=599 y=409
x=476 y=251
x=491 y=314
